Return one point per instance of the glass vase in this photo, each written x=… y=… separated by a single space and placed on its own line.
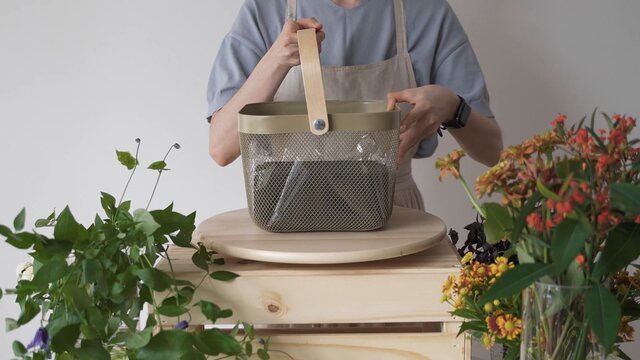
x=554 y=326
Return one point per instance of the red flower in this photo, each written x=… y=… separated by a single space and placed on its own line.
x=534 y=221
x=577 y=197
x=638 y=219
x=564 y=208
x=550 y=204
x=603 y=217
x=559 y=120
x=616 y=137
x=580 y=259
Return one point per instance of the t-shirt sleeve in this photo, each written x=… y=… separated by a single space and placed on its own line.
x=239 y=53
x=456 y=67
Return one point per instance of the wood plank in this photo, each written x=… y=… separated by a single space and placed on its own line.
x=439 y=258
x=419 y=346
x=328 y=298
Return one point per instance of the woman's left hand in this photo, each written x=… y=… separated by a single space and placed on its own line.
x=432 y=105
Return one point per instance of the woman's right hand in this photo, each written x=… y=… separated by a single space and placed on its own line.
x=285 y=49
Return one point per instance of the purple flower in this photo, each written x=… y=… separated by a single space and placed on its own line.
x=182 y=325
x=40 y=340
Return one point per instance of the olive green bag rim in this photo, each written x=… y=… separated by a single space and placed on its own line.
x=276 y=117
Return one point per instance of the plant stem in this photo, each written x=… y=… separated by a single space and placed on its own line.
x=130 y=176
x=160 y=174
x=471 y=197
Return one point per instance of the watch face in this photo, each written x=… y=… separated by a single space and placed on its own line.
x=463 y=115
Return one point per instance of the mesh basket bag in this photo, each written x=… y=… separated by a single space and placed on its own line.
x=319 y=165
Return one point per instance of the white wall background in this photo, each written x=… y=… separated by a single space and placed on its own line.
x=79 y=79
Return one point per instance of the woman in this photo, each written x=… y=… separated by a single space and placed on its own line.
x=405 y=51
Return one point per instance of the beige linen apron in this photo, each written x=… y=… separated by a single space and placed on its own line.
x=371 y=82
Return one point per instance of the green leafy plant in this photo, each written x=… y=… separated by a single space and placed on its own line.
x=88 y=285
x=571 y=209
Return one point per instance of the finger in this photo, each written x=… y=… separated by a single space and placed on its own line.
x=412 y=118
x=310 y=23
x=320 y=35
x=290 y=26
x=391 y=102
x=404 y=146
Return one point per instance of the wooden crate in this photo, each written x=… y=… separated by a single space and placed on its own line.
x=387 y=309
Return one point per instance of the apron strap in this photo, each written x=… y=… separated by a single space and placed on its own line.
x=401 y=26
x=291 y=10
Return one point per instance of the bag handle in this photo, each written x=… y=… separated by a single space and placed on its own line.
x=312 y=79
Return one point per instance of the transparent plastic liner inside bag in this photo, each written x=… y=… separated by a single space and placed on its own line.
x=335 y=182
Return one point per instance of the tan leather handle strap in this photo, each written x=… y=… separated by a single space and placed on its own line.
x=312 y=79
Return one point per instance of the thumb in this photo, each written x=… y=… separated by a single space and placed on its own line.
x=290 y=26
x=392 y=99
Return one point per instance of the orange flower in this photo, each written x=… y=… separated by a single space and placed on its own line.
x=510 y=326
x=450 y=164
x=580 y=259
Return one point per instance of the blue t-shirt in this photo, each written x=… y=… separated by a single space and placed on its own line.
x=439 y=48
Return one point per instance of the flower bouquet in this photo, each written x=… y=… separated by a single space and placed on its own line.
x=570 y=207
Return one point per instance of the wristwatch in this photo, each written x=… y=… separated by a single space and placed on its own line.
x=460 y=119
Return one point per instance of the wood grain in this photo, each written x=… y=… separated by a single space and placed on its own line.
x=408 y=231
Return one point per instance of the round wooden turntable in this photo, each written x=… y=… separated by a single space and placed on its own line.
x=408 y=231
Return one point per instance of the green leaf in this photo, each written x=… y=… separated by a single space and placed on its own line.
x=79 y=297
x=262 y=354
x=593 y=118
x=200 y=258
x=126 y=159
x=18 y=222
x=621 y=248
x=67 y=228
x=158 y=165
x=248 y=348
x=212 y=311
x=514 y=281
x=145 y=222
x=154 y=278
x=65 y=338
x=166 y=345
x=472 y=326
x=46 y=222
x=223 y=275
x=465 y=313
x=139 y=339
x=625 y=197
x=214 y=342
x=568 y=240
x=546 y=192
x=18 y=349
x=28 y=310
x=521 y=220
x=52 y=270
x=597 y=139
x=498 y=222
x=172 y=310
x=108 y=203
x=91 y=350
x=91 y=271
x=21 y=241
x=10 y=324
x=603 y=315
